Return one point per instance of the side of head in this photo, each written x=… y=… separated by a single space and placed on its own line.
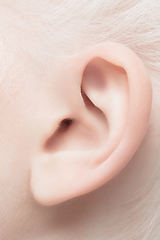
x=79 y=112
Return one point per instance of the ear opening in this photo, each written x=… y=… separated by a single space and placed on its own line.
x=63 y=127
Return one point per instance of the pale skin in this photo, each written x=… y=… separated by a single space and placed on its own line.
x=75 y=186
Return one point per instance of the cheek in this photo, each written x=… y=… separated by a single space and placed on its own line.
x=15 y=151
x=24 y=105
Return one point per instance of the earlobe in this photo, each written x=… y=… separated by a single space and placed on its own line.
x=112 y=89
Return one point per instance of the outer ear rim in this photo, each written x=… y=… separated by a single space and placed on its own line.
x=111 y=166
x=121 y=56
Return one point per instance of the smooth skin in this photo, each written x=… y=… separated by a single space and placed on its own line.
x=87 y=126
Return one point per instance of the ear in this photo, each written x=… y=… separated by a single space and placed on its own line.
x=109 y=95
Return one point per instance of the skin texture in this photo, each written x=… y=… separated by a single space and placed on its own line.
x=29 y=118
x=87 y=177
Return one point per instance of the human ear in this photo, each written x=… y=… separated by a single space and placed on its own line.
x=109 y=96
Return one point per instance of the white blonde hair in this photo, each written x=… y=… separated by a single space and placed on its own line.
x=36 y=27
x=38 y=31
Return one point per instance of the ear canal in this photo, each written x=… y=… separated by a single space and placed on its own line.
x=54 y=141
x=108 y=100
